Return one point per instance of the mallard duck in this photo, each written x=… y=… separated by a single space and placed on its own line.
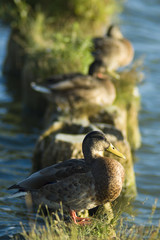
x=78 y=183
x=95 y=89
x=113 y=49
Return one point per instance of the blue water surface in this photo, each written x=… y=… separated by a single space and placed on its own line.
x=140 y=22
x=17 y=140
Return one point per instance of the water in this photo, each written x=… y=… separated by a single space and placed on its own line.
x=140 y=23
x=17 y=140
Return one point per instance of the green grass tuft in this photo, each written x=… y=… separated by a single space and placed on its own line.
x=118 y=228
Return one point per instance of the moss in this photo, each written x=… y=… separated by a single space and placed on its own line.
x=126 y=86
x=56 y=36
x=133 y=132
x=59 y=12
x=128 y=98
x=48 y=51
x=59 y=52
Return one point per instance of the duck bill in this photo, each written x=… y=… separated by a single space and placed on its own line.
x=115 y=151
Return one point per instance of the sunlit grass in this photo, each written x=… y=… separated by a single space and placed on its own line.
x=118 y=228
x=97 y=230
x=59 y=229
x=50 y=51
x=59 y=52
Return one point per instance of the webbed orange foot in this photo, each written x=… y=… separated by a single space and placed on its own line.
x=79 y=220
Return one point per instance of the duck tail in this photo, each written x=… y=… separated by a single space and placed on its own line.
x=17 y=195
x=40 y=88
x=20 y=193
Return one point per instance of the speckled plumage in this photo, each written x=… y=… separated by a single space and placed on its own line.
x=78 y=183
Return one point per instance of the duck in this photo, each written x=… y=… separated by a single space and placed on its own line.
x=113 y=49
x=78 y=184
x=75 y=90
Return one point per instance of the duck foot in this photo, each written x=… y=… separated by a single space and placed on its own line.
x=79 y=220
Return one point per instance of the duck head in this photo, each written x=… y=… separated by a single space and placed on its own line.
x=97 y=68
x=95 y=144
x=114 y=32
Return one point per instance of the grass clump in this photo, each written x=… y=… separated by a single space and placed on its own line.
x=59 y=229
x=61 y=12
x=118 y=228
x=55 y=36
x=55 y=51
x=56 y=226
x=48 y=51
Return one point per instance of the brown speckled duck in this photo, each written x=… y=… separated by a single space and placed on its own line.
x=78 y=183
x=75 y=89
x=113 y=49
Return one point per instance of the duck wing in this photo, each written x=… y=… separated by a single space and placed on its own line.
x=61 y=77
x=62 y=84
x=76 y=82
x=75 y=192
x=51 y=174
